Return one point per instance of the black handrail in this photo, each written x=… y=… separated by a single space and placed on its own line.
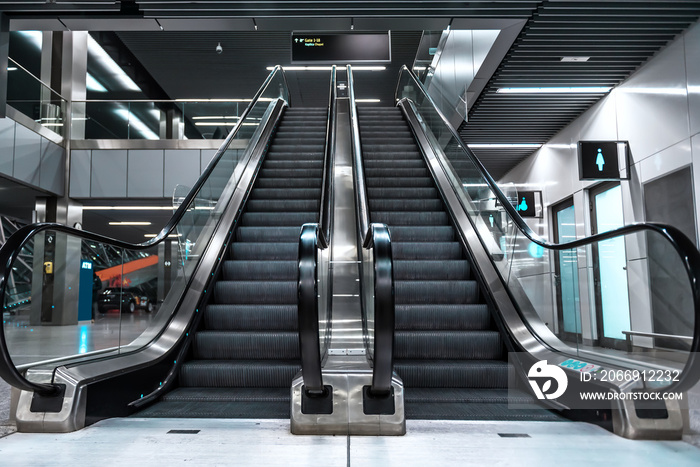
x=374 y=235
x=316 y=237
x=684 y=247
x=12 y=247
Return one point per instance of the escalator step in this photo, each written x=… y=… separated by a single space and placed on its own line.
x=276 y=219
x=288 y=183
x=474 y=316
x=256 y=292
x=283 y=205
x=452 y=373
x=239 y=373
x=431 y=270
x=285 y=193
x=422 y=250
x=445 y=292
x=416 y=233
x=397 y=172
x=388 y=164
x=260 y=270
x=265 y=251
x=291 y=173
x=295 y=164
x=246 y=345
x=229 y=395
x=450 y=345
x=266 y=234
x=399 y=182
x=401 y=193
x=392 y=218
x=251 y=317
x=405 y=205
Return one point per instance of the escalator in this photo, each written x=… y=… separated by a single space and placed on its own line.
x=246 y=351
x=230 y=335
x=447 y=350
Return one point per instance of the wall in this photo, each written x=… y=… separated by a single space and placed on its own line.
x=134 y=173
x=30 y=157
x=657 y=110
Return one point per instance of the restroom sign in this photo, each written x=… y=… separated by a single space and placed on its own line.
x=603 y=160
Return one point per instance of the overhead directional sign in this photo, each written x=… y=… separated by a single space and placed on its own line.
x=341 y=47
x=602 y=160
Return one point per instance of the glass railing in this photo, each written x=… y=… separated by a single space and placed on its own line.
x=638 y=279
x=126 y=300
x=29 y=95
x=157 y=119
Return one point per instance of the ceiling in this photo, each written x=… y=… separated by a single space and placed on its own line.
x=174 y=42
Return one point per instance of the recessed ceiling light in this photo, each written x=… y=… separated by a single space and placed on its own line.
x=129 y=223
x=556 y=90
x=127 y=208
x=575 y=59
x=327 y=68
x=504 y=145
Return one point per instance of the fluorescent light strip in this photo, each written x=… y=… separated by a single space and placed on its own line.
x=367 y=100
x=169 y=236
x=216 y=118
x=35 y=37
x=327 y=68
x=11 y=68
x=503 y=146
x=137 y=123
x=216 y=123
x=93 y=85
x=214 y=100
x=110 y=65
x=556 y=90
x=127 y=208
x=129 y=223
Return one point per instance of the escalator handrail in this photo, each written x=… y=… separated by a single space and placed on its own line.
x=684 y=247
x=374 y=235
x=314 y=237
x=325 y=214
x=13 y=246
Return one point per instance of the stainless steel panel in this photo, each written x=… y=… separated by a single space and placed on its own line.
x=145 y=174
x=27 y=155
x=7 y=145
x=155 y=144
x=108 y=174
x=181 y=167
x=52 y=169
x=80 y=173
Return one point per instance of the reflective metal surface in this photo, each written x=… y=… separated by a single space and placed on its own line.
x=346 y=369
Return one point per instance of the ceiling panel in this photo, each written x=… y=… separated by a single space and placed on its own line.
x=618 y=36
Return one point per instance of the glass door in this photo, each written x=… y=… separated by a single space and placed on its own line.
x=610 y=267
x=566 y=273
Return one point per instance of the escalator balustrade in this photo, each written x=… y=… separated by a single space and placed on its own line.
x=246 y=352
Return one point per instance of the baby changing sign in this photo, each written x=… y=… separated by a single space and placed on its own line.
x=529 y=203
x=602 y=160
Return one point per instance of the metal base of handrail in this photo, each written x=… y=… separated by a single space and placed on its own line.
x=348 y=416
x=70 y=417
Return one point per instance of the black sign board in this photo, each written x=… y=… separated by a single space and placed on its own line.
x=529 y=203
x=340 y=47
x=602 y=160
